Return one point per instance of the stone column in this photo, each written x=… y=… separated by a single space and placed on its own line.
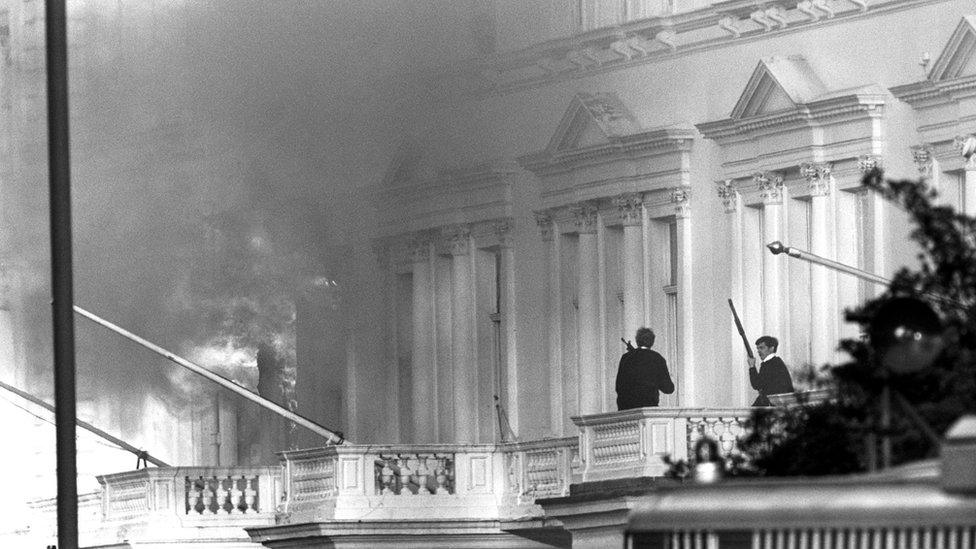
x=422 y=360
x=553 y=320
x=463 y=335
x=588 y=297
x=507 y=297
x=630 y=207
x=685 y=334
x=966 y=145
x=822 y=307
x=771 y=193
x=732 y=203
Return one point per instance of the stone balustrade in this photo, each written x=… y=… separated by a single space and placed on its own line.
x=632 y=443
x=446 y=481
x=191 y=493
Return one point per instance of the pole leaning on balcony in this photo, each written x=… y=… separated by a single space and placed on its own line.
x=332 y=437
x=59 y=179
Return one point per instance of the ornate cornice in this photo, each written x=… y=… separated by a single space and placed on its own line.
x=729 y=194
x=672 y=139
x=817 y=176
x=868 y=101
x=770 y=185
x=660 y=37
x=629 y=207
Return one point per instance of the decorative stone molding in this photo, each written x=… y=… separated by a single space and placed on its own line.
x=868 y=162
x=680 y=199
x=658 y=37
x=817 y=176
x=629 y=207
x=923 y=158
x=966 y=145
x=457 y=238
x=584 y=216
x=729 y=194
x=770 y=187
x=543 y=218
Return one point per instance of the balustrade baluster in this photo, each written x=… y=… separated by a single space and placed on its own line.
x=403 y=478
x=192 y=497
x=386 y=476
x=207 y=496
x=422 y=474
x=236 y=497
x=222 y=495
x=249 y=495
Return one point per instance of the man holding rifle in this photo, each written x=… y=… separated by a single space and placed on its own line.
x=642 y=374
x=772 y=377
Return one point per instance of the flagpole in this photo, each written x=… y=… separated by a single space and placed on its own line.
x=59 y=179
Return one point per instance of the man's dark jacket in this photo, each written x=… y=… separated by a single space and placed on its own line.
x=772 y=379
x=642 y=373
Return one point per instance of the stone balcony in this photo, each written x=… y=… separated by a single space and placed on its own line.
x=466 y=495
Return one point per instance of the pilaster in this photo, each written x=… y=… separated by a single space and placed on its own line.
x=630 y=207
x=585 y=216
x=820 y=182
x=771 y=191
x=966 y=146
x=423 y=362
x=547 y=229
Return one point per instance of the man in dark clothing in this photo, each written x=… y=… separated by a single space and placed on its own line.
x=642 y=374
x=773 y=377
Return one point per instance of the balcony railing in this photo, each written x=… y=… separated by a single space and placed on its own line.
x=632 y=443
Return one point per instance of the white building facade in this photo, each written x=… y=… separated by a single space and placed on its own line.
x=631 y=173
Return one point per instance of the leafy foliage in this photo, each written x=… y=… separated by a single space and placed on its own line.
x=839 y=436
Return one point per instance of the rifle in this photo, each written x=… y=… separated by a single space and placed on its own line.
x=742 y=332
x=630 y=346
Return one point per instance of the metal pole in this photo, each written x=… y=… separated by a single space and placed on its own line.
x=332 y=436
x=778 y=248
x=59 y=177
x=85 y=425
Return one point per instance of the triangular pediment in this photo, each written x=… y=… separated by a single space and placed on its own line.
x=958 y=58
x=778 y=84
x=592 y=119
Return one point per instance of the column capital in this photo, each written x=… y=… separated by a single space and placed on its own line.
x=419 y=247
x=584 y=214
x=922 y=155
x=680 y=199
x=543 y=218
x=729 y=194
x=383 y=253
x=966 y=145
x=458 y=238
x=503 y=232
x=817 y=175
x=868 y=162
x=629 y=207
x=770 y=186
